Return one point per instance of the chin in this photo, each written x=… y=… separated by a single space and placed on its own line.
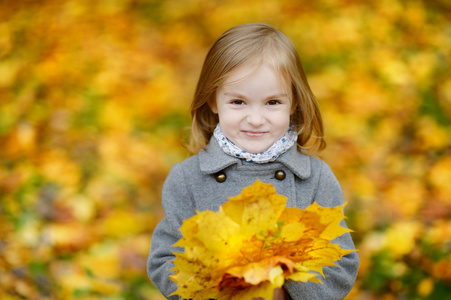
x=254 y=147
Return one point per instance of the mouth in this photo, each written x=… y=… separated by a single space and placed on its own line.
x=254 y=134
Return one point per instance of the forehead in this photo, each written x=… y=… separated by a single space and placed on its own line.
x=256 y=73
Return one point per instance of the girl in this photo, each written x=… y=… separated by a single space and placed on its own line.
x=254 y=116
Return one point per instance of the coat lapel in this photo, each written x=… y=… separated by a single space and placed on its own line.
x=213 y=160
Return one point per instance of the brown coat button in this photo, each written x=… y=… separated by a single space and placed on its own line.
x=280 y=175
x=220 y=177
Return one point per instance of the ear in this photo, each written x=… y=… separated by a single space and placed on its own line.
x=213 y=107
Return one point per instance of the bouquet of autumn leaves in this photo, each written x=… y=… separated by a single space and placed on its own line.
x=253 y=244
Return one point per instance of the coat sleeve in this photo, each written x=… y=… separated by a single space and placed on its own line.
x=338 y=281
x=178 y=205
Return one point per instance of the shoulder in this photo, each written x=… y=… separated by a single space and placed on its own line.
x=321 y=178
x=206 y=162
x=188 y=163
x=328 y=188
x=176 y=193
x=318 y=167
x=304 y=166
x=322 y=168
x=181 y=169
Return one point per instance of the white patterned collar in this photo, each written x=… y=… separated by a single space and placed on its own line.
x=271 y=154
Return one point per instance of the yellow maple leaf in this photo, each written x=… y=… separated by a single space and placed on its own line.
x=253 y=244
x=256 y=209
x=331 y=217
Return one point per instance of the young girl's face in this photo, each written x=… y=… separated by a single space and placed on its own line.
x=254 y=108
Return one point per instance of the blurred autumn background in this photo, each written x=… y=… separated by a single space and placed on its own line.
x=94 y=100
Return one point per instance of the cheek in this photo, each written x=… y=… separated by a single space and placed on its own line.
x=284 y=121
x=228 y=118
x=286 y=114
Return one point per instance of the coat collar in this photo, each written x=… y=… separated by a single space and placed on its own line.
x=213 y=160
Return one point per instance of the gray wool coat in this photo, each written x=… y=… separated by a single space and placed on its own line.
x=194 y=184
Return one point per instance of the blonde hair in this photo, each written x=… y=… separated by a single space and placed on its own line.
x=246 y=45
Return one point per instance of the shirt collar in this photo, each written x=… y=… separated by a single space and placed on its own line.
x=213 y=159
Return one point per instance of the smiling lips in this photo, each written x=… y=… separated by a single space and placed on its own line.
x=254 y=134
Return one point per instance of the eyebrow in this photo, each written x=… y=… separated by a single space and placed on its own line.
x=237 y=95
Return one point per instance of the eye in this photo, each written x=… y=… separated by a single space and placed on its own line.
x=273 y=102
x=237 y=102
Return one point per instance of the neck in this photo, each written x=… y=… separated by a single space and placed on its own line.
x=271 y=154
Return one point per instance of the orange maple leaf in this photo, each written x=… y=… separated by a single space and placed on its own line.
x=253 y=244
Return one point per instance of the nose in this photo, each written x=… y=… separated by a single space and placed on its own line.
x=255 y=118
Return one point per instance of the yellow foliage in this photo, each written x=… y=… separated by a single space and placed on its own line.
x=251 y=246
x=440 y=231
x=440 y=177
x=122 y=223
x=425 y=287
x=69 y=236
x=83 y=209
x=442 y=269
x=94 y=96
x=57 y=167
x=256 y=209
x=73 y=277
x=405 y=197
x=105 y=287
x=8 y=72
x=102 y=260
x=400 y=239
x=431 y=135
